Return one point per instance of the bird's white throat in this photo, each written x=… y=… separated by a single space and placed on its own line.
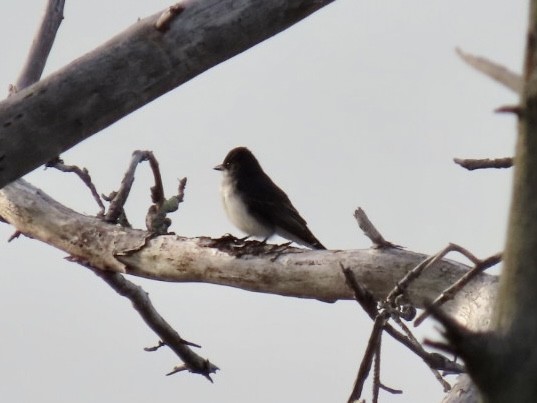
x=237 y=211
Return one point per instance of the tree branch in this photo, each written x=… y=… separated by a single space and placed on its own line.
x=131 y=70
x=471 y=164
x=296 y=272
x=141 y=302
x=495 y=71
x=41 y=45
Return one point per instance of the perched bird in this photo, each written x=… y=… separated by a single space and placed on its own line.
x=256 y=205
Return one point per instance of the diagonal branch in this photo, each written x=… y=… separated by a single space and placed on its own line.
x=141 y=302
x=495 y=71
x=42 y=44
x=110 y=82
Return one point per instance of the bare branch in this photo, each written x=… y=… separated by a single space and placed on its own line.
x=141 y=302
x=296 y=272
x=495 y=71
x=120 y=196
x=376 y=372
x=370 y=231
x=83 y=174
x=42 y=44
x=105 y=86
x=367 y=360
x=471 y=164
x=514 y=109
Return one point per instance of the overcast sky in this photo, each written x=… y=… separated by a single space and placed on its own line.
x=364 y=104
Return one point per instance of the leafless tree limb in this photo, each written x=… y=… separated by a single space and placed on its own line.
x=471 y=164
x=42 y=44
x=370 y=230
x=84 y=176
x=105 y=86
x=495 y=71
x=141 y=302
x=381 y=317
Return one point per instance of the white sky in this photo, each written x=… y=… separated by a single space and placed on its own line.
x=363 y=104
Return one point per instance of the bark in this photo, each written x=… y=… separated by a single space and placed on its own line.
x=503 y=362
x=511 y=377
x=131 y=70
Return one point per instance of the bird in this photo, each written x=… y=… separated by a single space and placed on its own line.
x=256 y=205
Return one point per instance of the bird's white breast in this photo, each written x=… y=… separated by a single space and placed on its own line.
x=237 y=211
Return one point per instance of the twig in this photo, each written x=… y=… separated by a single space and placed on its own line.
x=514 y=109
x=120 y=197
x=157 y=191
x=83 y=174
x=471 y=164
x=367 y=360
x=155 y=348
x=495 y=71
x=376 y=373
x=451 y=291
x=401 y=287
x=177 y=369
x=445 y=385
x=141 y=302
x=165 y=19
x=390 y=390
x=15 y=235
x=369 y=305
x=370 y=231
x=42 y=44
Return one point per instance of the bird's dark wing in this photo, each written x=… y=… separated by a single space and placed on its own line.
x=269 y=204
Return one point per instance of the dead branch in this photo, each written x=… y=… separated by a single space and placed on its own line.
x=41 y=45
x=381 y=316
x=91 y=106
x=471 y=164
x=370 y=230
x=141 y=302
x=84 y=176
x=296 y=272
x=495 y=71
x=367 y=360
x=120 y=196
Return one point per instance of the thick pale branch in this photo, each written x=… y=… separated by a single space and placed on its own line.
x=297 y=272
x=131 y=70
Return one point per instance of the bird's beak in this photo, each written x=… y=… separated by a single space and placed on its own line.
x=219 y=167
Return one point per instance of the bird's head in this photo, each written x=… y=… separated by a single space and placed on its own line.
x=238 y=159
